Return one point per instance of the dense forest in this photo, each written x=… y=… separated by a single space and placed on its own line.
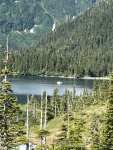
x=80 y=47
x=25 y=21
x=82 y=122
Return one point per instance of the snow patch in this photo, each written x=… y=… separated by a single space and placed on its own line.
x=54 y=26
x=32 y=29
x=25 y=30
x=35 y=25
x=18 y=32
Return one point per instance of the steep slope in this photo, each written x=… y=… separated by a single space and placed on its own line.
x=27 y=20
x=83 y=46
x=92 y=27
x=67 y=9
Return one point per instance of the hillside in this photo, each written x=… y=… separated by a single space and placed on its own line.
x=81 y=47
x=54 y=126
x=79 y=120
x=25 y=21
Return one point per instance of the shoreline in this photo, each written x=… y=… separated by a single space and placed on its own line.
x=71 y=77
x=89 y=78
x=97 y=78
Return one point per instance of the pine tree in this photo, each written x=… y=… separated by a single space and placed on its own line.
x=107 y=141
x=95 y=137
x=10 y=113
x=74 y=140
x=55 y=103
x=64 y=102
x=43 y=132
x=96 y=92
x=33 y=110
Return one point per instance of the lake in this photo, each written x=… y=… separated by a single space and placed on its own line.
x=24 y=85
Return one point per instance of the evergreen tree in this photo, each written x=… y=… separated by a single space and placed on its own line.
x=95 y=139
x=75 y=138
x=64 y=102
x=107 y=141
x=55 y=103
x=33 y=110
x=10 y=113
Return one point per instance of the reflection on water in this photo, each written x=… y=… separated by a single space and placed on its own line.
x=24 y=85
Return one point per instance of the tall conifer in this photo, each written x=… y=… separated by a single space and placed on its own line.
x=107 y=141
x=10 y=126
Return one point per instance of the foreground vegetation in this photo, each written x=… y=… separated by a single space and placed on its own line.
x=62 y=123
x=72 y=121
x=77 y=122
x=11 y=126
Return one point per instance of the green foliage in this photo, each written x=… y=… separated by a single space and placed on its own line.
x=10 y=114
x=43 y=132
x=17 y=18
x=107 y=140
x=95 y=134
x=74 y=140
x=55 y=103
x=65 y=11
x=81 y=47
x=81 y=126
x=43 y=147
x=33 y=114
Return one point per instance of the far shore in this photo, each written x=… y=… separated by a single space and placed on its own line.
x=86 y=77
x=89 y=78
x=97 y=78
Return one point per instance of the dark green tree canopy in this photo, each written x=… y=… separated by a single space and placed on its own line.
x=27 y=20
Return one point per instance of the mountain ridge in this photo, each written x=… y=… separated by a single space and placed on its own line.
x=26 y=21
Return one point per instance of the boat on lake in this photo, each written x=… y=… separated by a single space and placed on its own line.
x=59 y=82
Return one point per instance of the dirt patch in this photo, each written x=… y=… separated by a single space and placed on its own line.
x=99 y=110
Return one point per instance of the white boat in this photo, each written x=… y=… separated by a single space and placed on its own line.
x=59 y=82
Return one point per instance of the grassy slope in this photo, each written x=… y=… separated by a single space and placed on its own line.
x=54 y=125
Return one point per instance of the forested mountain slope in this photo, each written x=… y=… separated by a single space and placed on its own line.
x=26 y=20
x=83 y=46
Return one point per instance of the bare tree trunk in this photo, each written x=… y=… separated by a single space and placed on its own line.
x=45 y=121
x=41 y=115
x=68 y=119
x=45 y=118
x=55 y=107
x=27 y=123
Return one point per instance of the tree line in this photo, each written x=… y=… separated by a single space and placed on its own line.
x=81 y=131
x=17 y=18
x=81 y=47
x=75 y=133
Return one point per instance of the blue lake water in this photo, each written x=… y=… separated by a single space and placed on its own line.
x=24 y=85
